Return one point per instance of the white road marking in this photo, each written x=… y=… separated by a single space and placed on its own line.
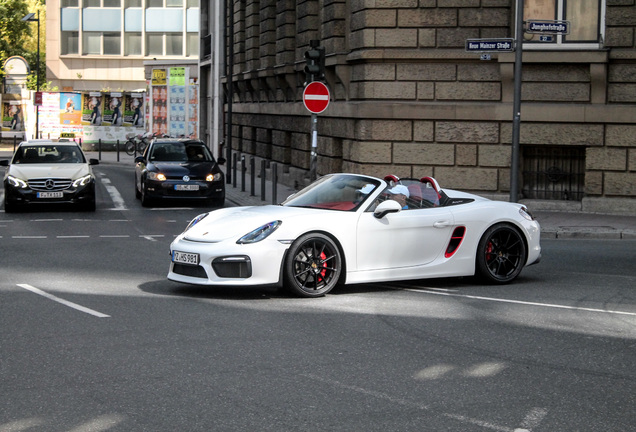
x=532 y=420
x=29 y=237
x=64 y=302
x=114 y=195
x=407 y=403
x=115 y=236
x=521 y=302
x=71 y=236
x=152 y=237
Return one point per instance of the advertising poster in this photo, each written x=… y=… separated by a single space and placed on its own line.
x=177 y=102
x=193 y=108
x=92 y=109
x=134 y=112
x=113 y=109
x=12 y=116
x=70 y=109
x=159 y=109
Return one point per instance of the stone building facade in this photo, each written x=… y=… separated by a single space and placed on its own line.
x=408 y=99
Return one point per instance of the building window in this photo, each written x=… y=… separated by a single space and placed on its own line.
x=91 y=43
x=553 y=173
x=192 y=45
x=69 y=3
x=154 y=44
x=174 y=44
x=70 y=42
x=112 y=43
x=132 y=44
x=97 y=43
x=584 y=17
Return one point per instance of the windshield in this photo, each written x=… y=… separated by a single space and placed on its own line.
x=344 y=192
x=180 y=152
x=49 y=153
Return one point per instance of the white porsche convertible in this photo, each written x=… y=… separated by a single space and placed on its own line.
x=350 y=228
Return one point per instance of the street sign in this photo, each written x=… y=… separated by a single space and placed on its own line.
x=490 y=45
x=316 y=97
x=547 y=27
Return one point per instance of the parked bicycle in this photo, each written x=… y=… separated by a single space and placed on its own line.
x=137 y=143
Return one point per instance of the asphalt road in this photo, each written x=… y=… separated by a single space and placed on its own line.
x=95 y=338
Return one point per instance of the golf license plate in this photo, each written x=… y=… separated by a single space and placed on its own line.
x=185 y=258
x=184 y=187
x=50 y=194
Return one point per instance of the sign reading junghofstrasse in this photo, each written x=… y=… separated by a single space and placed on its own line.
x=547 y=27
x=490 y=45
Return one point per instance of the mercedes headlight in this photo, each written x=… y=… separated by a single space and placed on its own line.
x=260 y=233
x=82 y=181
x=16 y=182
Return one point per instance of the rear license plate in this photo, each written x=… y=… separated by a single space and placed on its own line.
x=50 y=194
x=182 y=187
x=185 y=258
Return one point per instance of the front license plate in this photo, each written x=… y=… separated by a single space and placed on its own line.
x=50 y=194
x=185 y=258
x=186 y=187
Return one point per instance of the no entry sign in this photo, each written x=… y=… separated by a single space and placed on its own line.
x=316 y=97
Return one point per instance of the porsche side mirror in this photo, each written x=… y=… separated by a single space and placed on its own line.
x=386 y=207
x=93 y=161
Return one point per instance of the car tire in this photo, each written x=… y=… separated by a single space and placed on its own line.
x=313 y=265
x=145 y=200
x=9 y=207
x=137 y=191
x=501 y=254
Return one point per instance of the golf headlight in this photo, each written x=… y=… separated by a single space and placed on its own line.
x=82 y=181
x=260 y=233
x=196 y=220
x=16 y=182
x=213 y=177
x=156 y=176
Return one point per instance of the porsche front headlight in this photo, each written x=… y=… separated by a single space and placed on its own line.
x=523 y=211
x=196 y=220
x=16 y=182
x=259 y=233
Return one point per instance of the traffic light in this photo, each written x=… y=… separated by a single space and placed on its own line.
x=315 y=57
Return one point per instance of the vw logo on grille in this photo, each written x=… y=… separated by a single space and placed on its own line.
x=186 y=178
x=50 y=184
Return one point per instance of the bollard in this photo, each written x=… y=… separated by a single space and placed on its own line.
x=263 y=162
x=252 y=179
x=234 y=160
x=274 y=182
x=15 y=140
x=243 y=169
x=117 y=150
x=99 y=147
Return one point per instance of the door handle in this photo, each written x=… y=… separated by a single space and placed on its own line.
x=441 y=224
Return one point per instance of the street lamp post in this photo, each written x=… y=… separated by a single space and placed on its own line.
x=33 y=17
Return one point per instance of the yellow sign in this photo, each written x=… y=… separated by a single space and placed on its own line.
x=67 y=135
x=159 y=77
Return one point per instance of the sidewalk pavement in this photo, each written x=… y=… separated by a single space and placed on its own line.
x=554 y=224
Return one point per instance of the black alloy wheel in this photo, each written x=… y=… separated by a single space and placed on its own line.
x=313 y=265
x=501 y=254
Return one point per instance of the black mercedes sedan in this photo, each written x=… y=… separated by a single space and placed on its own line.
x=176 y=168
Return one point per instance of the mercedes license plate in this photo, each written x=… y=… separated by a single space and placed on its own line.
x=185 y=258
x=186 y=187
x=50 y=194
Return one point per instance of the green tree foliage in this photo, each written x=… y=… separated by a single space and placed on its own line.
x=19 y=38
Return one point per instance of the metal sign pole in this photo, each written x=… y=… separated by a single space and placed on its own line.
x=516 y=120
x=314 y=147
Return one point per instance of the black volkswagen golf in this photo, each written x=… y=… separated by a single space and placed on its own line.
x=179 y=169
